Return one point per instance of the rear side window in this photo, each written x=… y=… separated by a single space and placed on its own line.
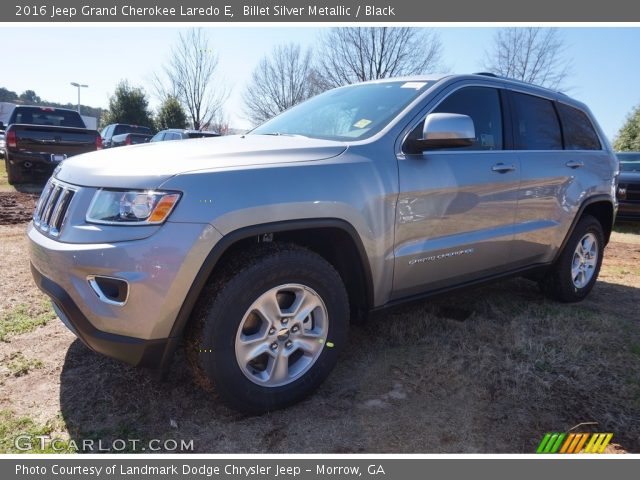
x=578 y=130
x=482 y=104
x=536 y=124
x=47 y=116
x=123 y=128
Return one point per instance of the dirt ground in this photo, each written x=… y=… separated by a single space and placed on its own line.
x=16 y=207
x=488 y=370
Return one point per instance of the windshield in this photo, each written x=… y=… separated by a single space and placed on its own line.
x=351 y=113
x=629 y=162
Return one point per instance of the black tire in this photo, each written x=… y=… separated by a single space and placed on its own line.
x=14 y=176
x=211 y=340
x=558 y=283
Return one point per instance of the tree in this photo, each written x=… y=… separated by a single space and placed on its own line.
x=171 y=114
x=531 y=54
x=128 y=105
x=628 y=138
x=190 y=75
x=280 y=81
x=355 y=54
x=7 y=95
x=219 y=123
x=29 y=96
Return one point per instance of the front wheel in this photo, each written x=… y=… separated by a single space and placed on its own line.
x=575 y=272
x=269 y=328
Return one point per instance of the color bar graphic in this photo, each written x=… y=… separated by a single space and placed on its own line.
x=552 y=442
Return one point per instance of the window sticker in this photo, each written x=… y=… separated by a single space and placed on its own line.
x=362 y=123
x=414 y=85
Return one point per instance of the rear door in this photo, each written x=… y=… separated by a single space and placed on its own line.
x=456 y=208
x=562 y=159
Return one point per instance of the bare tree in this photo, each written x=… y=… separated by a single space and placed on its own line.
x=219 y=123
x=190 y=76
x=355 y=54
x=531 y=54
x=280 y=81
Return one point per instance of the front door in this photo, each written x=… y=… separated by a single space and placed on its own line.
x=456 y=208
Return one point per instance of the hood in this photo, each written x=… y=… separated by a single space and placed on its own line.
x=149 y=165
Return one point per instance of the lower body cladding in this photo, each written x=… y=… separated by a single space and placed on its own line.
x=121 y=299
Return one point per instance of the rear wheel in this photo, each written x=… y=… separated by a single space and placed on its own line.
x=575 y=272
x=270 y=329
x=14 y=176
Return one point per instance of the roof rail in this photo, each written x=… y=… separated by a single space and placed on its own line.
x=487 y=74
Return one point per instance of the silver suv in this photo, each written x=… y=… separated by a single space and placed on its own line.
x=258 y=249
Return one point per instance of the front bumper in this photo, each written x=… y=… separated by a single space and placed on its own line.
x=135 y=351
x=159 y=271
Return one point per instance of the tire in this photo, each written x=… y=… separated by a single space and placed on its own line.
x=572 y=277
x=14 y=176
x=228 y=327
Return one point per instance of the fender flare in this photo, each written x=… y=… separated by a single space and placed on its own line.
x=589 y=201
x=231 y=238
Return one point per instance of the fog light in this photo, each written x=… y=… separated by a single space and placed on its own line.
x=113 y=291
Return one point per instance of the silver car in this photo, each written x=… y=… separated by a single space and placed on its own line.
x=260 y=248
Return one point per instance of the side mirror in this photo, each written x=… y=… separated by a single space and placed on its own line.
x=2 y=126
x=445 y=130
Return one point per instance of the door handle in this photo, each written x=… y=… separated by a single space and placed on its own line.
x=574 y=164
x=502 y=168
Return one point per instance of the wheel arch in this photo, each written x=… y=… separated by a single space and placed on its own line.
x=599 y=206
x=334 y=239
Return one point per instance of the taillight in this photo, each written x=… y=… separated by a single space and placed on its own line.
x=11 y=139
x=98 y=142
x=127 y=140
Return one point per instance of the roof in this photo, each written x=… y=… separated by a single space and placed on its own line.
x=512 y=82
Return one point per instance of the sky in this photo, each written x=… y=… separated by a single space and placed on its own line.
x=605 y=71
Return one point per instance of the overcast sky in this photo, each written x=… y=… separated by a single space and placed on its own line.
x=606 y=70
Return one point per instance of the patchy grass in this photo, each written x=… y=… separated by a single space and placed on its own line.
x=18 y=365
x=12 y=426
x=632 y=228
x=626 y=232
x=4 y=182
x=24 y=318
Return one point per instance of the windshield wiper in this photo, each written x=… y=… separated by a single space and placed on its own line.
x=279 y=134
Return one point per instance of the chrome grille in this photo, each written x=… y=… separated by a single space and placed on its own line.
x=51 y=210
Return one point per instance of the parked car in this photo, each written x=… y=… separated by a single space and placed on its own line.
x=179 y=134
x=628 y=191
x=3 y=144
x=120 y=134
x=39 y=138
x=259 y=248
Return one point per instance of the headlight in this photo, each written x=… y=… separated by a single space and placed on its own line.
x=138 y=207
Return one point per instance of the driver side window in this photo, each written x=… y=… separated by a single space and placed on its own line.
x=482 y=104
